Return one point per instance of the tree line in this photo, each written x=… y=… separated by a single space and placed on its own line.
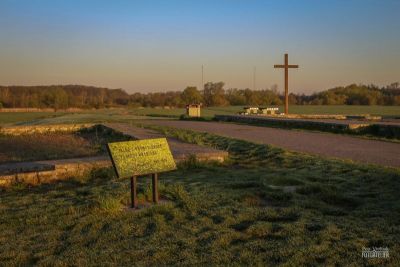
x=213 y=94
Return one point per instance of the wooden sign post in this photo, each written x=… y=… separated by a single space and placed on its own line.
x=286 y=66
x=134 y=203
x=142 y=157
x=154 y=181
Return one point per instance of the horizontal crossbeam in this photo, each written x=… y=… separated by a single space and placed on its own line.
x=288 y=66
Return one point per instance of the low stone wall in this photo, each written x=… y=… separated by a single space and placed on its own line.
x=34 y=173
x=18 y=130
x=38 y=172
x=364 y=117
x=57 y=170
x=306 y=116
x=384 y=130
x=367 y=128
x=290 y=123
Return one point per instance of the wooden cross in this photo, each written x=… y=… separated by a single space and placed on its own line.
x=286 y=66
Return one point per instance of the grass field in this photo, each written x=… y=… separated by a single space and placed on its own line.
x=319 y=212
x=111 y=115
x=20 y=117
x=25 y=118
x=300 y=109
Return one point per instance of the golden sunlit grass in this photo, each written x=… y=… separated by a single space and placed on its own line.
x=238 y=212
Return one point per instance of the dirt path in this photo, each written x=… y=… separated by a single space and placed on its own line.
x=325 y=144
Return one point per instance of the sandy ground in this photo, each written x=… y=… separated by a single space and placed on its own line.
x=324 y=144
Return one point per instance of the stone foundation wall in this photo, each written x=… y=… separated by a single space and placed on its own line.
x=367 y=128
x=68 y=168
x=62 y=169
x=306 y=116
x=38 y=172
x=289 y=123
x=18 y=130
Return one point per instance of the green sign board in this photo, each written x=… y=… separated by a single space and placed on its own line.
x=141 y=157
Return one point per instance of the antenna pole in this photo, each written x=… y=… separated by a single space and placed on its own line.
x=202 y=76
x=254 y=78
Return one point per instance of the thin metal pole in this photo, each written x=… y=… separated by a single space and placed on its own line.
x=254 y=78
x=154 y=177
x=202 y=76
x=202 y=84
x=134 y=203
x=286 y=84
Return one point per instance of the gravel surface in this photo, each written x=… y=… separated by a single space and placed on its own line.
x=324 y=144
x=179 y=149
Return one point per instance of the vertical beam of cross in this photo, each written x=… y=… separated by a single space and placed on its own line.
x=286 y=66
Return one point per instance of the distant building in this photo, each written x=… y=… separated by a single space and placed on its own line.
x=250 y=110
x=269 y=111
x=259 y=110
x=193 y=110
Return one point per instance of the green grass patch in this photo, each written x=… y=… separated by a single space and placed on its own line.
x=208 y=112
x=127 y=114
x=20 y=117
x=215 y=214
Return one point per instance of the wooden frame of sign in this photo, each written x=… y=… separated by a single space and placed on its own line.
x=141 y=157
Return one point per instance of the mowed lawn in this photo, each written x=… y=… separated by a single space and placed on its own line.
x=88 y=116
x=264 y=206
x=20 y=117
x=391 y=111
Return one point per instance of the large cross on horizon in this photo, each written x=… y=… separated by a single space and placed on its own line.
x=286 y=66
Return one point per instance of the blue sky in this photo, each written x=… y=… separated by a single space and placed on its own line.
x=161 y=45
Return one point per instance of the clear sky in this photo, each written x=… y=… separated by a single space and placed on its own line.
x=144 y=46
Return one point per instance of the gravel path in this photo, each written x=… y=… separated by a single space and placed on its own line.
x=325 y=144
x=179 y=149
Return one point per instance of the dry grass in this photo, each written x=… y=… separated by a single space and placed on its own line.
x=31 y=147
x=44 y=146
